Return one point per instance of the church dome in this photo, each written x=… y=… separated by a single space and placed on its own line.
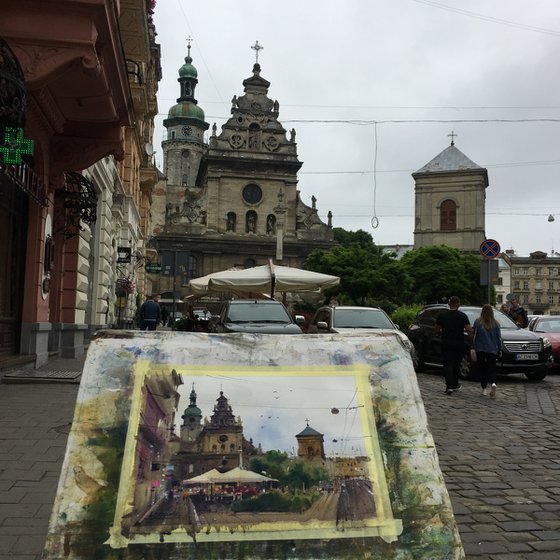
x=186 y=109
x=188 y=70
x=192 y=411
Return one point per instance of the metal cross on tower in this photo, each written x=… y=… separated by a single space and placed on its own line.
x=452 y=137
x=189 y=41
x=256 y=47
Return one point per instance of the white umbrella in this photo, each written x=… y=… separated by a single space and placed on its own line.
x=208 y=477
x=264 y=278
x=243 y=476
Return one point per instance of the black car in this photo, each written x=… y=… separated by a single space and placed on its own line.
x=266 y=316
x=523 y=351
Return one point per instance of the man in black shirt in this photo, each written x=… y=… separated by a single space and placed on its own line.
x=452 y=325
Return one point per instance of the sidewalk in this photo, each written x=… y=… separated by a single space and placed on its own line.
x=36 y=411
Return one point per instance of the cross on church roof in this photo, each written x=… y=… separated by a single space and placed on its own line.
x=452 y=137
x=189 y=41
x=256 y=47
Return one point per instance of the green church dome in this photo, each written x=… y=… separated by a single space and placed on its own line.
x=186 y=109
x=188 y=70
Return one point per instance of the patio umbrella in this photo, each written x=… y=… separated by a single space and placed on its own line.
x=269 y=278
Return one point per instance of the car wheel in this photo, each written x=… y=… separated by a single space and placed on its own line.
x=539 y=376
x=466 y=369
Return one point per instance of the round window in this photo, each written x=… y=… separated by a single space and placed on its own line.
x=252 y=194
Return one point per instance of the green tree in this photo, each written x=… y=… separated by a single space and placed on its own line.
x=368 y=275
x=439 y=272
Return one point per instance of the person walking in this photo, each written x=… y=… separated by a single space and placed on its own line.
x=452 y=324
x=150 y=314
x=487 y=342
x=518 y=314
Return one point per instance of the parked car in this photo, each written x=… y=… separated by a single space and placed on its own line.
x=549 y=326
x=266 y=316
x=523 y=351
x=351 y=319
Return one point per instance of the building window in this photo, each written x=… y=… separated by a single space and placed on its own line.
x=538 y=285
x=551 y=285
x=551 y=299
x=525 y=298
x=538 y=298
x=448 y=216
x=172 y=135
x=525 y=271
x=537 y=271
x=500 y=298
x=516 y=284
x=525 y=284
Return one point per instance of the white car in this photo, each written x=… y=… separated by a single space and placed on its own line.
x=345 y=319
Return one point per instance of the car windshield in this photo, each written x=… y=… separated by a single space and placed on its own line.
x=548 y=325
x=503 y=320
x=361 y=319
x=254 y=312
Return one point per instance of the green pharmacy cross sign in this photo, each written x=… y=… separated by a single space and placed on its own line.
x=14 y=146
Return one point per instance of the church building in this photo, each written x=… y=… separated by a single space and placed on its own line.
x=450 y=199
x=232 y=201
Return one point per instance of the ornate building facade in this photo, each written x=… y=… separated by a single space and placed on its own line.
x=450 y=199
x=83 y=81
x=231 y=201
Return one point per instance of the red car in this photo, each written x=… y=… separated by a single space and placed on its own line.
x=549 y=326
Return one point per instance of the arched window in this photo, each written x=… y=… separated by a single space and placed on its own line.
x=448 y=216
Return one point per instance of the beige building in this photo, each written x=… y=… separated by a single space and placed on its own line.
x=535 y=280
x=231 y=201
x=450 y=195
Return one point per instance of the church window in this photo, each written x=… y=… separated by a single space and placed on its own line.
x=448 y=216
x=251 y=222
x=172 y=135
x=310 y=452
x=231 y=219
x=252 y=194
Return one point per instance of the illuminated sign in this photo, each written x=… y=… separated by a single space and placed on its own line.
x=14 y=146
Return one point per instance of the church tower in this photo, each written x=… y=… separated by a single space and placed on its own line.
x=192 y=423
x=310 y=444
x=184 y=147
x=450 y=197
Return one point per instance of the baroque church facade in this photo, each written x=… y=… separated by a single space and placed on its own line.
x=232 y=201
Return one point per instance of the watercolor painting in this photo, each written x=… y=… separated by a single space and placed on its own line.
x=240 y=446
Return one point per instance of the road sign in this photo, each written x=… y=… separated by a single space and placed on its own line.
x=489 y=249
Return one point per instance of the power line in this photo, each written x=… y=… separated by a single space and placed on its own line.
x=490 y=19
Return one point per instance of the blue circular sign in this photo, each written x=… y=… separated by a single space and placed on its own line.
x=489 y=248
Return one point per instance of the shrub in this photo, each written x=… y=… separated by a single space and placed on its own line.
x=404 y=315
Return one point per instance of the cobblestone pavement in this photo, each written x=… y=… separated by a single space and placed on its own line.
x=500 y=458
x=501 y=462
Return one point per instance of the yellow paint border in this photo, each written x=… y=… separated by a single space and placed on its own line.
x=383 y=525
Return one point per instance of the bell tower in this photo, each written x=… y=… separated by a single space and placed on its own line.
x=184 y=147
x=450 y=199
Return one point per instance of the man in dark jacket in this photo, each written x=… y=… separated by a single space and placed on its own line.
x=518 y=314
x=150 y=314
x=452 y=325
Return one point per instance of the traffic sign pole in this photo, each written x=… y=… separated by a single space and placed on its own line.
x=489 y=249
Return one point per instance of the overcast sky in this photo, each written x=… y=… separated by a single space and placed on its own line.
x=374 y=88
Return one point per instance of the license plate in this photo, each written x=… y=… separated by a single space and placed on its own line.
x=526 y=357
